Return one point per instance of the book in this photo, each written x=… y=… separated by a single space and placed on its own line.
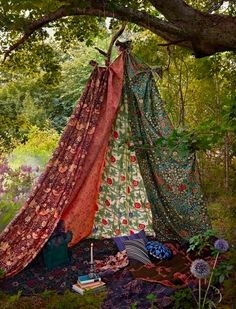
x=89 y=285
x=99 y=287
x=86 y=279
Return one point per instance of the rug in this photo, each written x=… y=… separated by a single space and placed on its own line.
x=125 y=287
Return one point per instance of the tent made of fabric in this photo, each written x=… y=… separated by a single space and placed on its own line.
x=112 y=172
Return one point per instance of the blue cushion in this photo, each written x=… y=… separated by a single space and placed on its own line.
x=119 y=240
x=158 y=250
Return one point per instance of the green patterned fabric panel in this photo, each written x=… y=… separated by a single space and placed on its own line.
x=123 y=207
x=170 y=177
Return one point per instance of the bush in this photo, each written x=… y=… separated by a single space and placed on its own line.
x=15 y=186
x=37 y=150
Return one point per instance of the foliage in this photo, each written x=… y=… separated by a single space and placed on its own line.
x=14 y=188
x=37 y=150
x=28 y=99
x=52 y=300
x=223 y=216
x=2 y=273
x=182 y=299
x=222 y=272
x=200 y=242
x=151 y=298
x=19 y=172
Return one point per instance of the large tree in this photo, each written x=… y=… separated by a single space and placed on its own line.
x=197 y=25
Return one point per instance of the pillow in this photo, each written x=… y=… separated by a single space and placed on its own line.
x=136 y=250
x=158 y=250
x=119 y=240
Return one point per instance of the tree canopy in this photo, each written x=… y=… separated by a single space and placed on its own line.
x=204 y=27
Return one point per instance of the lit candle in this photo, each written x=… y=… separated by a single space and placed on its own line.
x=91 y=253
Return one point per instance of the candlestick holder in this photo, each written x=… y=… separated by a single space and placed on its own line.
x=92 y=271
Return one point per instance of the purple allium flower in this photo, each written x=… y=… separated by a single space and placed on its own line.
x=200 y=269
x=221 y=245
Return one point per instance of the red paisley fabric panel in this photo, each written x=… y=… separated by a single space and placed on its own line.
x=64 y=175
x=79 y=216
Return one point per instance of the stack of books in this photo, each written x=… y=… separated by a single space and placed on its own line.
x=86 y=284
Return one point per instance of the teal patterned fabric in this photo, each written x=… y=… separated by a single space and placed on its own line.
x=170 y=177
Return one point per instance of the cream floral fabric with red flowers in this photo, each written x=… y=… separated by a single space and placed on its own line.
x=123 y=207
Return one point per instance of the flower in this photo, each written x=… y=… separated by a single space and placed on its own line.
x=109 y=181
x=124 y=221
x=137 y=205
x=113 y=159
x=16 y=199
x=221 y=245
x=117 y=232
x=133 y=158
x=135 y=183
x=141 y=226
x=104 y=222
x=182 y=187
x=116 y=134
x=200 y=269
x=122 y=178
x=107 y=203
x=26 y=169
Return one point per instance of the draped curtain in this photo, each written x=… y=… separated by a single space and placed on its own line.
x=72 y=176
x=123 y=207
x=169 y=175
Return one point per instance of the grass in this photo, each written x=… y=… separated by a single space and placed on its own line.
x=52 y=300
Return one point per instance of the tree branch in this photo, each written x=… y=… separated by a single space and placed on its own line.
x=174 y=10
x=114 y=38
x=160 y=27
x=203 y=33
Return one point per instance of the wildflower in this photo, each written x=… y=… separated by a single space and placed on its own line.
x=221 y=245
x=200 y=269
x=26 y=169
x=16 y=199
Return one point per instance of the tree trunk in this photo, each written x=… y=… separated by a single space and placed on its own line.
x=181 y=97
x=226 y=161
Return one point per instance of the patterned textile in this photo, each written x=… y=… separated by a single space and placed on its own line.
x=112 y=263
x=69 y=187
x=173 y=273
x=123 y=207
x=123 y=289
x=120 y=239
x=170 y=178
x=81 y=149
x=158 y=250
x=137 y=251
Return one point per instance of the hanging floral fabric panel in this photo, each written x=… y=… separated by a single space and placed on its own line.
x=72 y=176
x=123 y=207
x=169 y=175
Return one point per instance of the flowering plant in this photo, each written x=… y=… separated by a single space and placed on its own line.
x=14 y=189
x=201 y=270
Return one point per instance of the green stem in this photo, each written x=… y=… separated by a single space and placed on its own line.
x=209 y=283
x=199 y=296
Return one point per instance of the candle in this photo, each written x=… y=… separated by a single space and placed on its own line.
x=91 y=253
